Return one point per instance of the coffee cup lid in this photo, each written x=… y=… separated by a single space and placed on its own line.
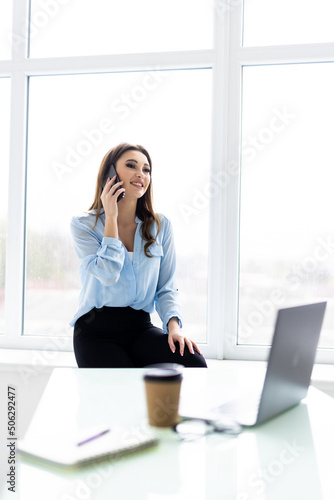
x=163 y=372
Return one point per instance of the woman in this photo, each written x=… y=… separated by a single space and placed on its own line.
x=127 y=268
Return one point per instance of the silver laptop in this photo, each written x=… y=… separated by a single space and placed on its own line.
x=289 y=369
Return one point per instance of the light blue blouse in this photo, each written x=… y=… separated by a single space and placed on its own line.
x=110 y=278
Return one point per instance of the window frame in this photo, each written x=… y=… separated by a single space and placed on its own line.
x=20 y=68
x=226 y=59
x=239 y=58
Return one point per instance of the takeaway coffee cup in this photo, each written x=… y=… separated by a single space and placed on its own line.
x=162 y=387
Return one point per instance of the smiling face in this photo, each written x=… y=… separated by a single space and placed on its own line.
x=134 y=170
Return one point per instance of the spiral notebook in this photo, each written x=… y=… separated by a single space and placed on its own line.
x=88 y=446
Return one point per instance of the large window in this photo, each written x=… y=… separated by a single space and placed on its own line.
x=286 y=229
x=67 y=137
x=233 y=100
x=5 y=30
x=85 y=77
x=85 y=27
x=287 y=22
x=279 y=239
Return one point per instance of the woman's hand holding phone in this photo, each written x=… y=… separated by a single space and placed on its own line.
x=109 y=196
x=109 y=202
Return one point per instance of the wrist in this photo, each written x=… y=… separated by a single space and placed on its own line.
x=111 y=219
x=111 y=227
x=173 y=324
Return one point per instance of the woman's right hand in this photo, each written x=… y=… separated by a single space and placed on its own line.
x=109 y=197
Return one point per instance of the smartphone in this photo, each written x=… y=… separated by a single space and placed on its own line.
x=110 y=174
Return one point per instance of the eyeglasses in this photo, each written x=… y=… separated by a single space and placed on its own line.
x=194 y=428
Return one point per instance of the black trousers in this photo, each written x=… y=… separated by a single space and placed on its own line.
x=121 y=337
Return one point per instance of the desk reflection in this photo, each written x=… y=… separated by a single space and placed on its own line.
x=284 y=464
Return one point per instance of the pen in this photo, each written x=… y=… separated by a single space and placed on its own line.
x=93 y=437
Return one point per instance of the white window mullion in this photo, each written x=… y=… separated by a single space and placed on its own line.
x=217 y=228
x=121 y=62
x=16 y=189
x=233 y=132
x=284 y=54
x=20 y=34
x=16 y=208
x=231 y=296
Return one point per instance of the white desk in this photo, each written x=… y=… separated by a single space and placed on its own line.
x=289 y=458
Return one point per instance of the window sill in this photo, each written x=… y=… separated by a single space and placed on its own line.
x=48 y=359
x=322 y=375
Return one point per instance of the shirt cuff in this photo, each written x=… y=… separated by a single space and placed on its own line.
x=168 y=316
x=109 y=241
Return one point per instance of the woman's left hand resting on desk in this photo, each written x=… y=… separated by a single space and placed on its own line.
x=175 y=335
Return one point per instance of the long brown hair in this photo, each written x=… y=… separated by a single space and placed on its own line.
x=144 y=208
